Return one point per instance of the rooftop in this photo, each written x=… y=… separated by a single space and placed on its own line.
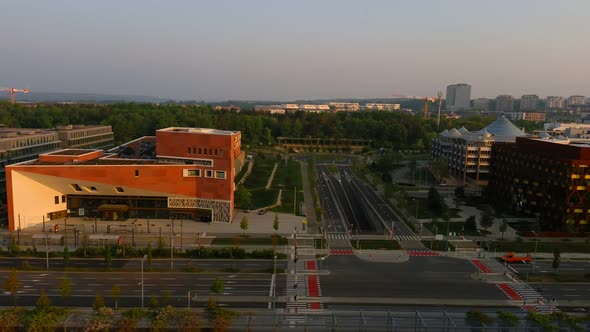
x=208 y=131
x=70 y=152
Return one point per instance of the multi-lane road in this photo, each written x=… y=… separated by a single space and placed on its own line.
x=172 y=288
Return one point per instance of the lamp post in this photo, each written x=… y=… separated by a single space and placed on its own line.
x=189 y=298
x=144 y=257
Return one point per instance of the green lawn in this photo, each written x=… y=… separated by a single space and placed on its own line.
x=263 y=198
x=376 y=244
x=287 y=175
x=529 y=247
x=287 y=202
x=260 y=172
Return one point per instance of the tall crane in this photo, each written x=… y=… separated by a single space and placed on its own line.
x=13 y=91
x=426 y=101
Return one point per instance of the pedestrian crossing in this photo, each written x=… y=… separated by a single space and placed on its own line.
x=421 y=253
x=346 y=237
x=527 y=293
x=342 y=252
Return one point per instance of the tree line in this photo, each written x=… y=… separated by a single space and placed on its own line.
x=132 y=120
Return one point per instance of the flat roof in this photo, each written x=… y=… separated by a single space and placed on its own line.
x=70 y=152
x=207 y=131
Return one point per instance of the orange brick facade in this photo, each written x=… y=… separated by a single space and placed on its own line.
x=194 y=170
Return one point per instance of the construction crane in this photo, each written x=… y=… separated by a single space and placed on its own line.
x=426 y=101
x=13 y=91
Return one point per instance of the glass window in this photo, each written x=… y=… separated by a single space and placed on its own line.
x=119 y=189
x=56 y=199
x=220 y=174
x=76 y=187
x=208 y=173
x=194 y=172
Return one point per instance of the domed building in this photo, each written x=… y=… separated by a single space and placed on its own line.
x=468 y=153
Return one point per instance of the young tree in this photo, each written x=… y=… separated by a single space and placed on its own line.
x=153 y=302
x=244 y=224
x=275 y=224
x=108 y=256
x=116 y=293
x=98 y=302
x=65 y=287
x=435 y=202
x=149 y=255
x=217 y=287
x=43 y=301
x=556 y=259
x=66 y=256
x=503 y=228
x=12 y=284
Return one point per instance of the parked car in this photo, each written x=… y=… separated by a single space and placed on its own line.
x=261 y=212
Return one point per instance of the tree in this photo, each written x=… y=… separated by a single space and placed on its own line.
x=12 y=284
x=503 y=227
x=244 y=224
x=470 y=225
x=243 y=198
x=460 y=192
x=98 y=302
x=556 y=259
x=43 y=301
x=116 y=293
x=108 y=256
x=66 y=256
x=217 y=287
x=486 y=220
x=153 y=302
x=149 y=255
x=435 y=202
x=65 y=287
x=275 y=224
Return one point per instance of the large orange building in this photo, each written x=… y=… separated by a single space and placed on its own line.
x=179 y=173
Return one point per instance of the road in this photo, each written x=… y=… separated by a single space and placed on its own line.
x=181 y=264
x=564 y=291
x=420 y=277
x=567 y=267
x=168 y=288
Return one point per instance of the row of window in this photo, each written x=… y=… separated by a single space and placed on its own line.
x=33 y=141
x=56 y=199
x=78 y=188
x=205 y=151
x=208 y=173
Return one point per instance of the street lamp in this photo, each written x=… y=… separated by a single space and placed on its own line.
x=189 y=298
x=144 y=257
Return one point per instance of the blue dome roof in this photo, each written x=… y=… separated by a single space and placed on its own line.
x=503 y=127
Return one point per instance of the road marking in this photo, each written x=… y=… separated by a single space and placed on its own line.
x=115 y=278
x=572 y=295
x=94 y=284
x=89 y=278
x=168 y=278
x=43 y=275
x=177 y=285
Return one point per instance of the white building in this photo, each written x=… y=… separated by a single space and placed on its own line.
x=576 y=100
x=554 y=102
x=458 y=97
x=468 y=153
x=383 y=107
x=346 y=107
x=504 y=103
x=569 y=130
x=526 y=116
x=481 y=104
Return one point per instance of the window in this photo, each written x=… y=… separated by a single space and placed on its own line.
x=199 y=150
x=194 y=150
x=56 y=199
x=208 y=173
x=136 y=172
x=63 y=198
x=215 y=151
x=189 y=150
x=220 y=174
x=119 y=189
x=93 y=188
x=210 y=151
x=221 y=152
x=76 y=187
x=193 y=172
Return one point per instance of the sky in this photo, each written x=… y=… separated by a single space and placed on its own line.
x=288 y=50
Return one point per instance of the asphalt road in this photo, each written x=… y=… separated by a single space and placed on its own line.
x=564 y=291
x=168 y=288
x=135 y=264
x=574 y=267
x=427 y=277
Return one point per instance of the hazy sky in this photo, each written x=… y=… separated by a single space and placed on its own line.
x=282 y=50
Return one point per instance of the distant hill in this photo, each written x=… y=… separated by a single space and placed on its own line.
x=83 y=97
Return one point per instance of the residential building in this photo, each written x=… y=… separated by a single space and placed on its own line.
x=544 y=178
x=272 y=109
x=567 y=130
x=314 y=108
x=504 y=103
x=529 y=102
x=85 y=137
x=481 y=104
x=180 y=173
x=468 y=153
x=526 y=116
x=576 y=100
x=290 y=107
x=458 y=97
x=382 y=107
x=554 y=102
x=344 y=107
